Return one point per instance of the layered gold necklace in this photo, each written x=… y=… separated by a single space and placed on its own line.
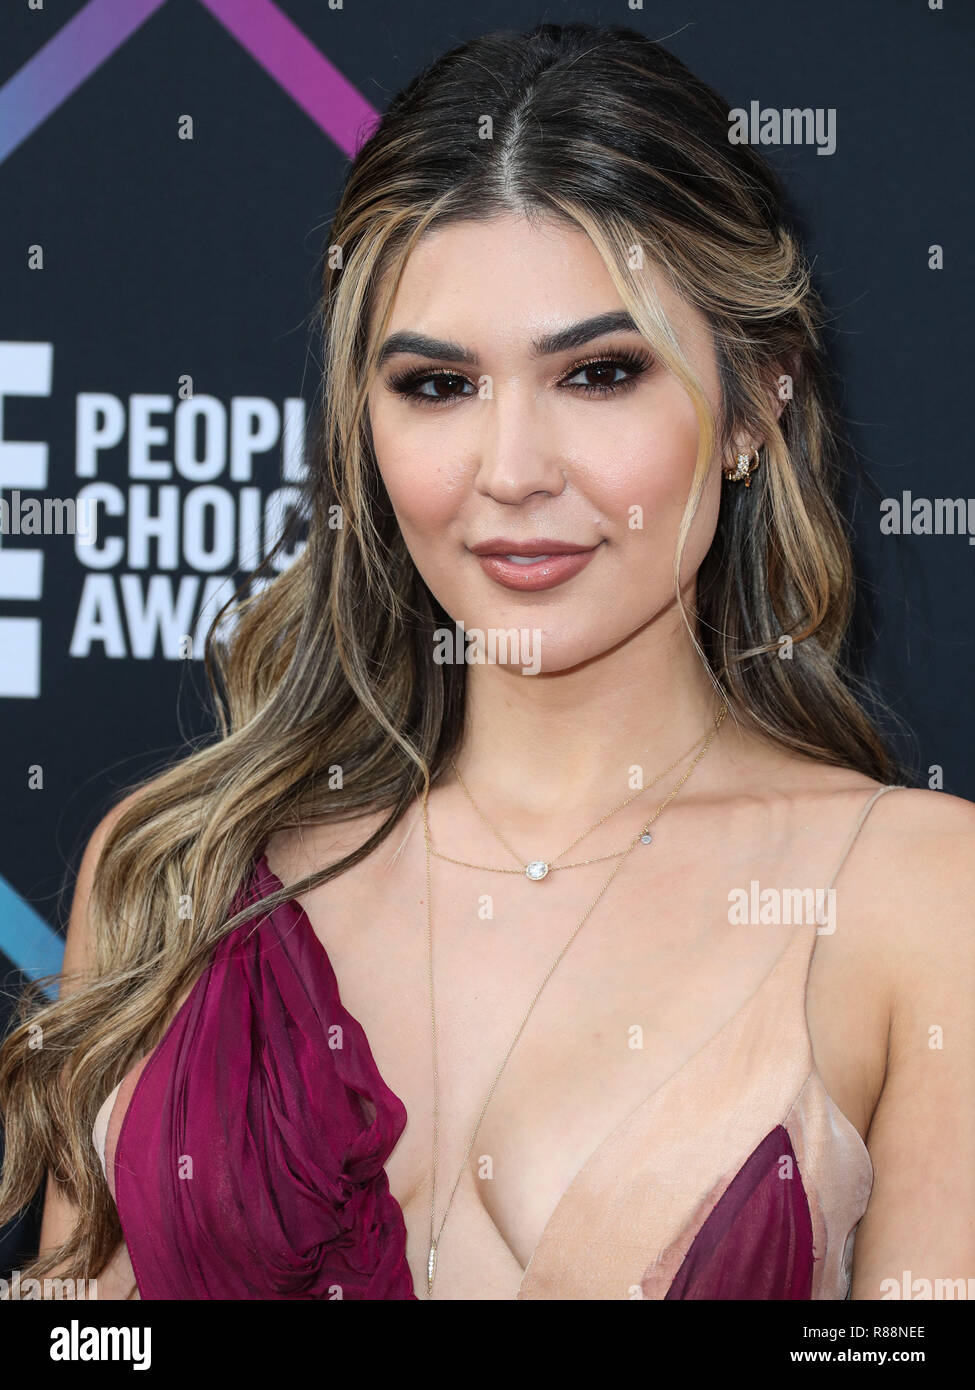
x=537 y=869
x=546 y=865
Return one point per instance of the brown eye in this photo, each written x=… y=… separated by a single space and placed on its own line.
x=601 y=373
x=608 y=376
x=430 y=388
x=446 y=385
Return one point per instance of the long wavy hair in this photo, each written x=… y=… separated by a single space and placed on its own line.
x=331 y=664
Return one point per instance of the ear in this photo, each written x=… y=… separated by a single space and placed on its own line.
x=781 y=386
x=785 y=382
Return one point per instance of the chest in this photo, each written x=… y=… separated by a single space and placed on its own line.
x=538 y=1067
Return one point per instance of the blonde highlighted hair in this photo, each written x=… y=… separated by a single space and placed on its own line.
x=332 y=663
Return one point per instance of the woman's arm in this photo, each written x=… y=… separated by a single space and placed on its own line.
x=918 y=1233
x=59 y=1214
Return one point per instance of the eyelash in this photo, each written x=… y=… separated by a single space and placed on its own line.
x=636 y=363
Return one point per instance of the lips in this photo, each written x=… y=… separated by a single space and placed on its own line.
x=530 y=565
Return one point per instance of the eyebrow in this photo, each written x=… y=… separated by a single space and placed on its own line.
x=575 y=335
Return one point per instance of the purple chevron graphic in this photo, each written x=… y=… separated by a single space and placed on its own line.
x=64 y=63
x=299 y=68
x=88 y=40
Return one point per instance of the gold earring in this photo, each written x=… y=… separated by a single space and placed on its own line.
x=744 y=468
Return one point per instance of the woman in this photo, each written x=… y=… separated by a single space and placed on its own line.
x=535 y=754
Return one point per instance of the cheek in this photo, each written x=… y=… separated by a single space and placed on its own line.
x=638 y=475
x=631 y=466
x=637 y=466
x=422 y=468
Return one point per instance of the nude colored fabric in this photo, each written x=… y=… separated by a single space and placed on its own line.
x=738 y=1177
x=636 y=1207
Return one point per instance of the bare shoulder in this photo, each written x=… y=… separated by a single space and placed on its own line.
x=911 y=841
x=923 y=872
x=916 y=854
x=906 y=905
x=59 y=1215
x=915 y=878
x=910 y=869
x=914 y=813
x=296 y=852
x=79 y=947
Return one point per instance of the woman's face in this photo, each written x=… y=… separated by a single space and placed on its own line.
x=506 y=417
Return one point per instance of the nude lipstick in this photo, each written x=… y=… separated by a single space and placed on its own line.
x=532 y=565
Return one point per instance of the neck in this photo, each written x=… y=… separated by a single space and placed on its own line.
x=546 y=744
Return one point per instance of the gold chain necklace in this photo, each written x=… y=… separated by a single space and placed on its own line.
x=436 y=1234
x=537 y=869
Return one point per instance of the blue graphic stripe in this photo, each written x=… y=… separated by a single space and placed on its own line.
x=62 y=65
x=35 y=948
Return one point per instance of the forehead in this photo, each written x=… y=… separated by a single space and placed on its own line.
x=510 y=278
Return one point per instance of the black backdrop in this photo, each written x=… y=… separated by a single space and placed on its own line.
x=167 y=257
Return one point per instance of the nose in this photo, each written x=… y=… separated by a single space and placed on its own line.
x=517 y=453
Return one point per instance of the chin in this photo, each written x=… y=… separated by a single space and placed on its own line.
x=568 y=654
x=534 y=650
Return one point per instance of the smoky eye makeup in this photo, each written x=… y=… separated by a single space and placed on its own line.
x=619 y=369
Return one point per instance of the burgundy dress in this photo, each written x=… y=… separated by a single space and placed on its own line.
x=246 y=1152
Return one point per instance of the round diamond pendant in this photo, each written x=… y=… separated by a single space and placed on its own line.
x=536 y=870
x=645 y=838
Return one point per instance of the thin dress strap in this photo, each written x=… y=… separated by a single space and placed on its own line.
x=893 y=787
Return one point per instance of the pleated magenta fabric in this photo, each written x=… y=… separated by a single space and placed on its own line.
x=250 y=1160
x=758 y=1241
x=247 y=1152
